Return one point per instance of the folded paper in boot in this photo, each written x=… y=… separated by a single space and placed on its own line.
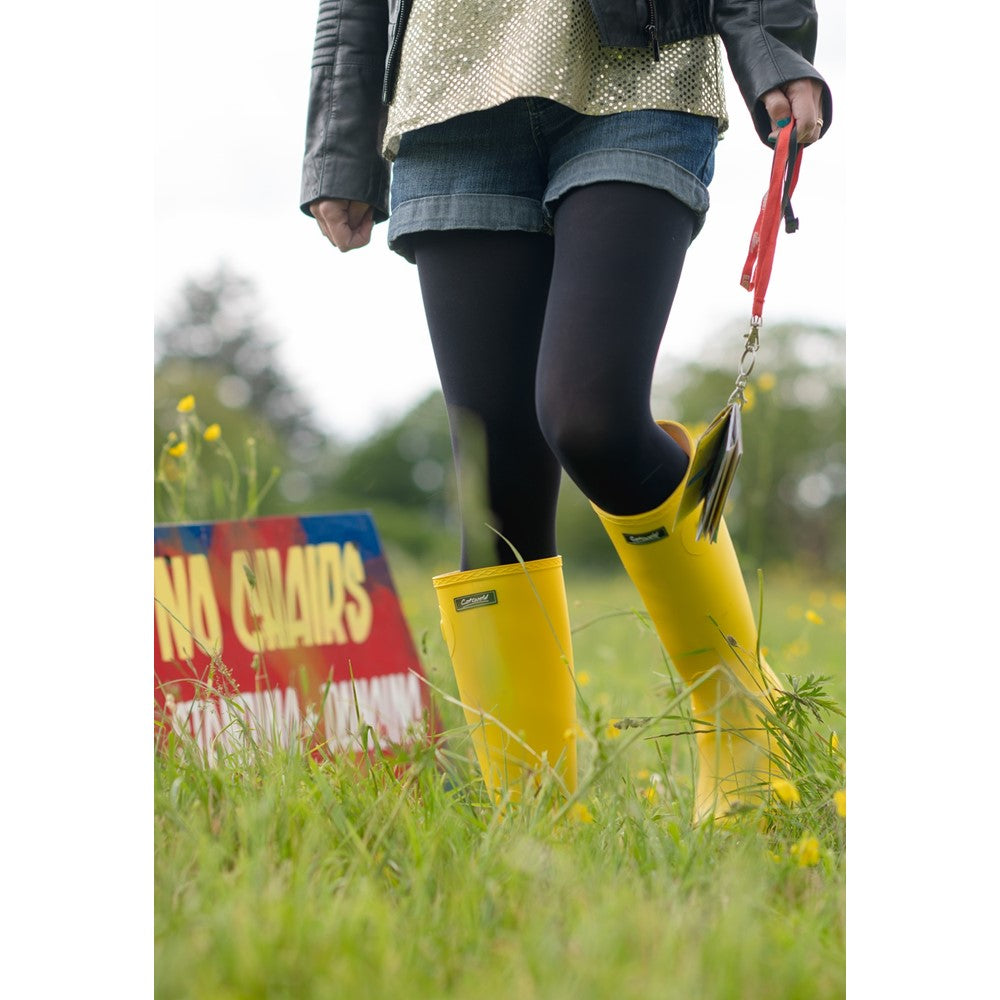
x=713 y=468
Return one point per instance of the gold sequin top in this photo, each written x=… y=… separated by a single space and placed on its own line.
x=468 y=55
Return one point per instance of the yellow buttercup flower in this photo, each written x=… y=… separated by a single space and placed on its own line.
x=807 y=852
x=834 y=742
x=579 y=813
x=612 y=732
x=786 y=791
x=649 y=794
x=213 y=432
x=840 y=803
x=811 y=616
x=583 y=678
x=178 y=449
x=766 y=382
x=186 y=405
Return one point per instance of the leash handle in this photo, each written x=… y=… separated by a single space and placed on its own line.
x=775 y=205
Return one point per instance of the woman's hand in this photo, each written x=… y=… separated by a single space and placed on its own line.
x=801 y=100
x=346 y=224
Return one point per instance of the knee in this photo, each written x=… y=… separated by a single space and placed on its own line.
x=580 y=435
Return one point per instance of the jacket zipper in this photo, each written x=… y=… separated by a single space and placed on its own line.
x=650 y=30
x=388 y=81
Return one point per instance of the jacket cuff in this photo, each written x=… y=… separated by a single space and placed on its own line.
x=343 y=158
x=770 y=44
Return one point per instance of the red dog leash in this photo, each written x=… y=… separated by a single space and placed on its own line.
x=775 y=204
x=720 y=448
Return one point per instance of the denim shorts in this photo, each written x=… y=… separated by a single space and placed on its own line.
x=508 y=166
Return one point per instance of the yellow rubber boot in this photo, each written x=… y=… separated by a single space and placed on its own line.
x=685 y=584
x=507 y=632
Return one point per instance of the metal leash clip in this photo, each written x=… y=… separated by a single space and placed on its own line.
x=747 y=361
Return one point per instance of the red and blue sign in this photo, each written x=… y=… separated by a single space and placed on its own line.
x=284 y=630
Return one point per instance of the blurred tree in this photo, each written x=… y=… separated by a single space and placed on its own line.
x=407 y=462
x=403 y=473
x=213 y=345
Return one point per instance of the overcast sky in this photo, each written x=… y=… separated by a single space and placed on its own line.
x=231 y=91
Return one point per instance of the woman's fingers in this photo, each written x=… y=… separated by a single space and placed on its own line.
x=346 y=224
x=798 y=99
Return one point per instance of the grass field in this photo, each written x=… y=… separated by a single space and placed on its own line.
x=282 y=876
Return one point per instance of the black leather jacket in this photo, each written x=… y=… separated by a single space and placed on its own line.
x=768 y=42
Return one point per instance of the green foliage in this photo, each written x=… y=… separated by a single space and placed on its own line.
x=582 y=539
x=788 y=501
x=301 y=879
x=213 y=346
x=407 y=463
x=803 y=813
x=198 y=474
x=281 y=874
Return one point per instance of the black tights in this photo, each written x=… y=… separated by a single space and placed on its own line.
x=545 y=348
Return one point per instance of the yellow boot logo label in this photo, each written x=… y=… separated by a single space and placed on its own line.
x=646 y=537
x=479 y=600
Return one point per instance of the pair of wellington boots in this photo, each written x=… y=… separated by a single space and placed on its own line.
x=508 y=634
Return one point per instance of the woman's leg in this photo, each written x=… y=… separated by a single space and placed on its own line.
x=484 y=295
x=619 y=250
x=609 y=300
x=506 y=627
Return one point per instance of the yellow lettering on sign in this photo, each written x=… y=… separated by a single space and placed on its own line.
x=170 y=589
x=241 y=602
x=187 y=612
x=317 y=599
x=267 y=569
x=331 y=593
x=298 y=606
x=310 y=560
x=359 y=615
